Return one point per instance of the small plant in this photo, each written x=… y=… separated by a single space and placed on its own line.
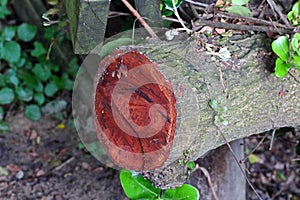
x=288 y=52
x=235 y=7
x=294 y=14
x=217 y=106
x=27 y=75
x=166 y=6
x=136 y=187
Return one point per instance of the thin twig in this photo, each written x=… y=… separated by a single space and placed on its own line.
x=197 y=3
x=206 y=174
x=250 y=19
x=294 y=76
x=173 y=20
x=236 y=159
x=179 y=18
x=253 y=150
x=275 y=8
x=245 y=27
x=64 y=163
x=138 y=16
x=113 y=14
x=272 y=139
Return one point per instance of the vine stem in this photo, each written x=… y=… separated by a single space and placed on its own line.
x=138 y=16
x=179 y=18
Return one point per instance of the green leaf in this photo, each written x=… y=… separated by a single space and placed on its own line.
x=38 y=50
x=39 y=87
x=42 y=71
x=296 y=62
x=185 y=192
x=282 y=68
x=26 y=32
x=136 y=187
x=11 y=77
x=169 y=4
x=24 y=94
x=11 y=51
x=50 y=89
x=3 y=126
x=293 y=15
x=73 y=67
x=253 y=158
x=281 y=47
x=3 y=9
x=39 y=98
x=296 y=43
x=67 y=82
x=110 y=46
x=29 y=80
x=8 y=33
x=191 y=165
x=33 y=112
x=1 y=113
x=6 y=96
x=2 y=80
x=239 y=2
x=239 y=10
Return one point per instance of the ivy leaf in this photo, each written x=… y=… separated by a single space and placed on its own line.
x=11 y=51
x=282 y=68
x=281 y=47
x=50 y=89
x=6 y=96
x=11 y=77
x=26 y=32
x=41 y=71
x=39 y=98
x=136 y=187
x=186 y=191
x=239 y=2
x=24 y=94
x=8 y=33
x=38 y=50
x=239 y=10
x=3 y=9
x=33 y=112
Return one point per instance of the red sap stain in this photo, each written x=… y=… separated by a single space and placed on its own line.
x=136 y=151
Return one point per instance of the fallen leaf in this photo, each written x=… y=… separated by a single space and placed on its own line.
x=40 y=173
x=3 y=171
x=12 y=168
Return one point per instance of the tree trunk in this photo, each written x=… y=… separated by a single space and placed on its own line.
x=255 y=99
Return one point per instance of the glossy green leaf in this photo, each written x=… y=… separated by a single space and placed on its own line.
x=136 y=187
x=73 y=68
x=3 y=126
x=24 y=94
x=1 y=113
x=293 y=15
x=39 y=98
x=33 y=112
x=169 y=4
x=281 y=47
x=11 y=77
x=191 y=165
x=296 y=61
x=239 y=2
x=296 y=43
x=29 y=80
x=3 y=9
x=38 y=50
x=39 y=87
x=11 y=51
x=239 y=10
x=282 y=68
x=185 y=192
x=42 y=71
x=67 y=82
x=8 y=33
x=50 y=89
x=26 y=32
x=6 y=96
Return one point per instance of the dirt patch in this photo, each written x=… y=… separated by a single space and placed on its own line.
x=40 y=161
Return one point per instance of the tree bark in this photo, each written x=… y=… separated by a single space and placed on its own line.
x=256 y=100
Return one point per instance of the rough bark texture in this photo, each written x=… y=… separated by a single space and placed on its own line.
x=87 y=23
x=247 y=88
